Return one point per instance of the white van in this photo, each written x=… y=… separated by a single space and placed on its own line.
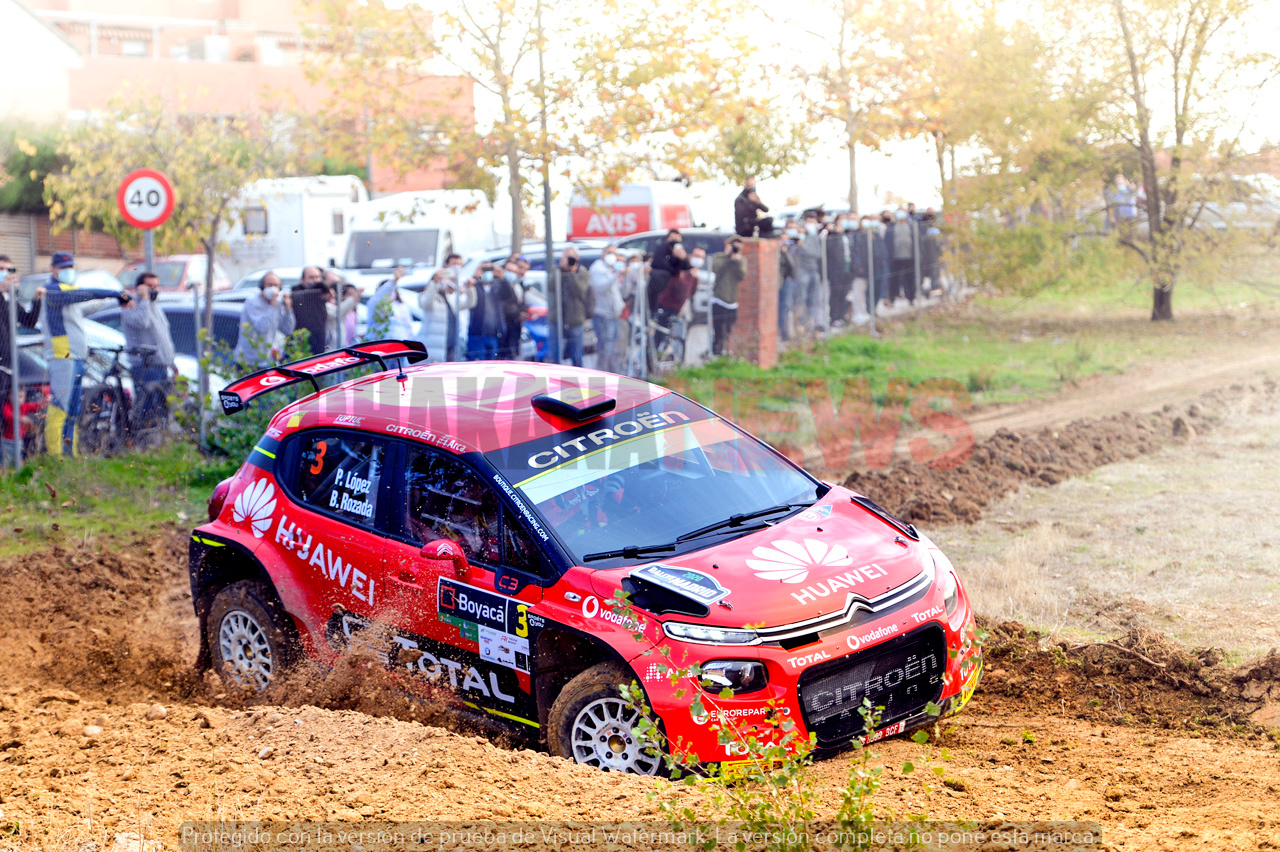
x=416 y=230
x=638 y=207
x=297 y=221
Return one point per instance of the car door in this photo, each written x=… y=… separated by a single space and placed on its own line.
x=473 y=628
x=331 y=535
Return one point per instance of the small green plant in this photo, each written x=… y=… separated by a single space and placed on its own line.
x=981 y=378
x=1028 y=737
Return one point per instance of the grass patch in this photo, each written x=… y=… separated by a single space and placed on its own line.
x=56 y=499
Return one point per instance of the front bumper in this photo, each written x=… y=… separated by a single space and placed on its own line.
x=915 y=666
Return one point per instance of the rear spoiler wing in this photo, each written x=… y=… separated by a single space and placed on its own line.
x=239 y=393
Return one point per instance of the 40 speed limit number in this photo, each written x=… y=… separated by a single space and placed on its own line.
x=145 y=199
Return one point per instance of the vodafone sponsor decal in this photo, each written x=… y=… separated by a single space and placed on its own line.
x=856 y=642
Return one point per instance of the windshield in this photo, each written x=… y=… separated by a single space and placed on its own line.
x=659 y=472
x=389 y=249
x=169 y=273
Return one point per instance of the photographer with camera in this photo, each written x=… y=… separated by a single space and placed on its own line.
x=730 y=268
x=572 y=310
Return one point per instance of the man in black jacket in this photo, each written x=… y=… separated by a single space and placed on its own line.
x=747 y=208
x=308 y=306
x=665 y=266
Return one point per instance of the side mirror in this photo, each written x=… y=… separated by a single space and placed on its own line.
x=447 y=550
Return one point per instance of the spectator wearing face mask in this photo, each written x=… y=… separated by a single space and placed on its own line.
x=861 y=249
x=62 y=316
x=441 y=302
x=807 y=258
x=575 y=284
x=787 y=280
x=606 y=280
x=309 y=307
x=27 y=318
x=678 y=291
x=265 y=316
x=146 y=326
x=512 y=310
x=901 y=239
x=340 y=302
x=665 y=265
x=488 y=319
x=730 y=269
x=839 y=268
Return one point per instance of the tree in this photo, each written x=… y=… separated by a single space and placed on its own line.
x=206 y=158
x=755 y=140
x=859 y=50
x=1176 y=72
x=28 y=154
x=615 y=103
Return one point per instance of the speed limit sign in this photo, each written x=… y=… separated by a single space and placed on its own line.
x=145 y=199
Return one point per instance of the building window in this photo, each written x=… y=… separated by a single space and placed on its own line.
x=339 y=224
x=255 y=221
x=135 y=47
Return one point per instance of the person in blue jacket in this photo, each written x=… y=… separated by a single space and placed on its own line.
x=62 y=313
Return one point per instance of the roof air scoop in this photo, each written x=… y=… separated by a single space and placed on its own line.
x=577 y=404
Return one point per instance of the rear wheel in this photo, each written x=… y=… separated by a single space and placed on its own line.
x=102 y=426
x=250 y=638
x=591 y=723
x=151 y=417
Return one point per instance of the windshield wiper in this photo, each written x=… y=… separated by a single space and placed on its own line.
x=630 y=552
x=740 y=519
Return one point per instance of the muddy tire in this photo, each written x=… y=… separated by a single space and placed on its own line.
x=251 y=640
x=590 y=723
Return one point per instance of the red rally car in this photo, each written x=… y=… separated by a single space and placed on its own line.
x=474 y=523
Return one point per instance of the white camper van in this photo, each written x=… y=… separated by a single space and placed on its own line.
x=291 y=222
x=416 y=230
x=638 y=207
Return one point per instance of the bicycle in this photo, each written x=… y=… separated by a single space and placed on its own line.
x=111 y=421
x=666 y=343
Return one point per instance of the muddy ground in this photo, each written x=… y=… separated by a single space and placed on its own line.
x=105 y=730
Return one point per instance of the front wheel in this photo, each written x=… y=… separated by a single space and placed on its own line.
x=249 y=634
x=591 y=723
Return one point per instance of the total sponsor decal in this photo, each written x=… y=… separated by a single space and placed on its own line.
x=447 y=442
x=815 y=513
x=461 y=677
x=807 y=659
x=848 y=580
x=646 y=422
x=324 y=559
x=928 y=615
x=856 y=642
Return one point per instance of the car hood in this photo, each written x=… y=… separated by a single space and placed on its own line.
x=801 y=568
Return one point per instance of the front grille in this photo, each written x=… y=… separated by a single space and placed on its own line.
x=901 y=675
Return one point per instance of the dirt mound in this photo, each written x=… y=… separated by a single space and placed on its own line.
x=1141 y=678
x=1008 y=460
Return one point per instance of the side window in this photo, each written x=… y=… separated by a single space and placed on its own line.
x=518 y=550
x=446 y=499
x=339 y=473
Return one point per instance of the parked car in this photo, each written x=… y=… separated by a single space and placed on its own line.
x=476 y=535
x=182 y=323
x=33 y=377
x=178 y=273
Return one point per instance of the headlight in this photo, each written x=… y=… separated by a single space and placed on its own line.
x=738 y=676
x=950 y=585
x=710 y=635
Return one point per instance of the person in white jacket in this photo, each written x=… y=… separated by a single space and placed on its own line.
x=606 y=281
x=441 y=302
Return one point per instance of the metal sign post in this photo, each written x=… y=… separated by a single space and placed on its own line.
x=15 y=376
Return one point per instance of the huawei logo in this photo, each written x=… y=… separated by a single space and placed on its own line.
x=255 y=504
x=791 y=561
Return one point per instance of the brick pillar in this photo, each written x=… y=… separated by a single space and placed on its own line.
x=755 y=335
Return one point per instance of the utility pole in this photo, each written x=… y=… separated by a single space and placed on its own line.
x=553 y=269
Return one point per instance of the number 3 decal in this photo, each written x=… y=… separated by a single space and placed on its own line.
x=522 y=620
x=318 y=464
